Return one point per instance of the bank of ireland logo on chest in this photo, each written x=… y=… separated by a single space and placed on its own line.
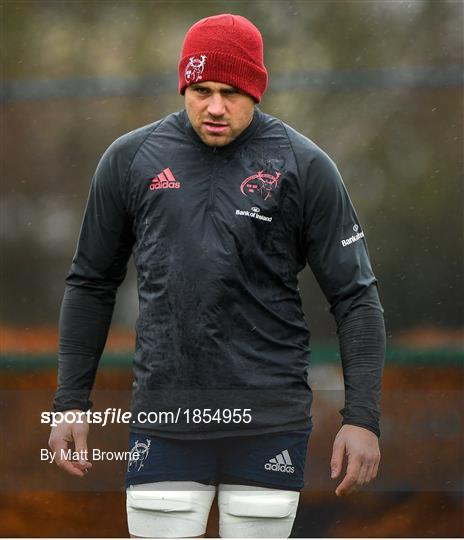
x=263 y=183
x=194 y=69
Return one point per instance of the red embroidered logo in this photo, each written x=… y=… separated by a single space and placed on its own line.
x=262 y=182
x=165 y=180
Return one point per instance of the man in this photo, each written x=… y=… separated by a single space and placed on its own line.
x=221 y=206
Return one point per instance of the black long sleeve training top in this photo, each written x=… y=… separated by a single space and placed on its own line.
x=218 y=236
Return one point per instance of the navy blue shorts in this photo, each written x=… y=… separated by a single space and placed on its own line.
x=274 y=460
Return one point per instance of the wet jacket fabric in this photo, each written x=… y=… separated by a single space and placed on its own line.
x=218 y=237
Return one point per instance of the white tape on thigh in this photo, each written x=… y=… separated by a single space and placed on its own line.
x=256 y=512
x=169 y=509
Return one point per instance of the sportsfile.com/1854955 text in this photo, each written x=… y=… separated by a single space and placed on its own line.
x=112 y=415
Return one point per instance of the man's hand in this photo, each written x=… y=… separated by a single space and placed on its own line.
x=361 y=446
x=60 y=437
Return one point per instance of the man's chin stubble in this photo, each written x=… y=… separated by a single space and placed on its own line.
x=216 y=141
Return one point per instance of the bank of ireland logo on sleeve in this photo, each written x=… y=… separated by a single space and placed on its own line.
x=138 y=454
x=195 y=68
x=353 y=238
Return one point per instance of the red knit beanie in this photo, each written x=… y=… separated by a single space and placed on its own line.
x=227 y=49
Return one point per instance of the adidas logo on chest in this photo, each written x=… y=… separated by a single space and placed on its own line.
x=280 y=463
x=164 y=180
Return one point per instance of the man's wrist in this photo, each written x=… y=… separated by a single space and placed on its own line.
x=361 y=423
x=63 y=404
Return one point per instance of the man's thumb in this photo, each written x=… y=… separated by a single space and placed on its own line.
x=337 y=459
x=80 y=443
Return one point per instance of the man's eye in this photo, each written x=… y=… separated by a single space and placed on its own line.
x=201 y=90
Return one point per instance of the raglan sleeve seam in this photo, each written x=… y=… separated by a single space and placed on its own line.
x=303 y=198
x=300 y=186
x=132 y=160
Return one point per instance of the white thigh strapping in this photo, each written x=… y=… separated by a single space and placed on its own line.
x=256 y=512
x=169 y=509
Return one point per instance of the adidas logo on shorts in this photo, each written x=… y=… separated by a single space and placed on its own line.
x=280 y=463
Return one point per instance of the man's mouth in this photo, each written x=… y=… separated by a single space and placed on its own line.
x=215 y=127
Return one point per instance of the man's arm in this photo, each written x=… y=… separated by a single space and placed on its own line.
x=362 y=345
x=361 y=333
x=98 y=268
x=337 y=253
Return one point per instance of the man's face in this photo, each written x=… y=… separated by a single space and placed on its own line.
x=218 y=112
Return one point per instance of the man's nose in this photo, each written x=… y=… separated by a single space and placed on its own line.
x=216 y=105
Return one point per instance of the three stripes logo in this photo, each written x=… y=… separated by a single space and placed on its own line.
x=164 y=180
x=280 y=463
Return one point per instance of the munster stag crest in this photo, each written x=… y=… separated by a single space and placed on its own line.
x=262 y=182
x=195 y=68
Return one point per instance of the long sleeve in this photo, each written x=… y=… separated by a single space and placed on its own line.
x=362 y=346
x=337 y=253
x=98 y=268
